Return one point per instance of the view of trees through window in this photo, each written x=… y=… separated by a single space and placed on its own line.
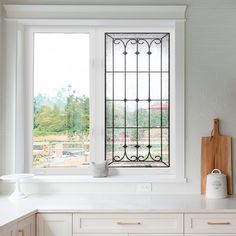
x=61 y=100
x=137 y=101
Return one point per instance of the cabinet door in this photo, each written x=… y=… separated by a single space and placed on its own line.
x=127 y=223
x=157 y=234
x=209 y=234
x=131 y=235
x=8 y=231
x=54 y=224
x=26 y=227
x=103 y=235
x=211 y=223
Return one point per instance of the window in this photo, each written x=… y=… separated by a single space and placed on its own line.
x=137 y=99
x=61 y=100
x=46 y=89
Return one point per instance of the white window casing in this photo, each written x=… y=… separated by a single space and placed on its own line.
x=22 y=21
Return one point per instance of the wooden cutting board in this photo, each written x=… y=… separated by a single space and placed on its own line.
x=216 y=154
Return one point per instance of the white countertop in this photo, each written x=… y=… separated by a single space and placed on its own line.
x=12 y=210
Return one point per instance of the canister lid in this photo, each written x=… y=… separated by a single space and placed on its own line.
x=216 y=173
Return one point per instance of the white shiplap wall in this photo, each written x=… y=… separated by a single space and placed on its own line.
x=210 y=87
x=1 y=99
x=1 y=122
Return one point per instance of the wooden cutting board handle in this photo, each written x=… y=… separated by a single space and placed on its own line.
x=216 y=128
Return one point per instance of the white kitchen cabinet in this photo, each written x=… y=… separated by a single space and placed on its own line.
x=103 y=235
x=124 y=224
x=156 y=234
x=210 y=223
x=26 y=227
x=9 y=230
x=131 y=235
x=127 y=223
x=209 y=234
x=54 y=224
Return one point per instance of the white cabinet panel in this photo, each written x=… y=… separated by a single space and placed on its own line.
x=127 y=223
x=26 y=227
x=101 y=235
x=208 y=234
x=54 y=224
x=210 y=223
x=9 y=231
x=128 y=235
x=156 y=235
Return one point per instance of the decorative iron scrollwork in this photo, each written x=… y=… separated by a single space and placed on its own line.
x=125 y=149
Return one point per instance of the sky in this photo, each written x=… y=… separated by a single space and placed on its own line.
x=61 y=59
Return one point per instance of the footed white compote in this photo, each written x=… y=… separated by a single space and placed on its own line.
x=17 y=194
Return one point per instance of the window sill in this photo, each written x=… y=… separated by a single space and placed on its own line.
x=109 y=179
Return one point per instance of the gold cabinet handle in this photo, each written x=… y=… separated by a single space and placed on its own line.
x=21 y=232
x=128 y=223
x=219 y=223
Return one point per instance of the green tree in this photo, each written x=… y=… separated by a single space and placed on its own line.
x=49 y=120
x=64 y=113
x=77 y=115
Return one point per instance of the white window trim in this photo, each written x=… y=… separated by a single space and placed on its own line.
x=21 y=12
x=18 y=17
x=28 y=95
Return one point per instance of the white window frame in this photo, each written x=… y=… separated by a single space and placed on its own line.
x=25 y=20
x=28 y=93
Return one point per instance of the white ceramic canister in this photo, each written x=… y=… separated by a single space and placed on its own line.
x=99 y=169
x=216 y=186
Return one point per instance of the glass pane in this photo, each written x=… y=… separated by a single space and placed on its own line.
x=131 y=57
x=165 y=146
x=155 y=58
x=109 y=86
x=119 y=118
x=132 y=136
x=165 y=86
x=143 y=114
x=109 y=144
x=155 y=135
x=143 y=142
x=131 y=114
x=143 y=63
x=119 y=89
x=119 y=141
x=109 y=52
x=143 y=86
x=118 y=56
x=165 y=115
x=165 y=53
x=109 y=116
x=61 y=100
x=131 y=85
x=155 y=87
x=131 y=153
x=155 y=114
x=143 y=136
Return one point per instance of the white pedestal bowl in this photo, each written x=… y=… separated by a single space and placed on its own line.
x=17 y=194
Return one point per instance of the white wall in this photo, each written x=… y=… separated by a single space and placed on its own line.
x=1 y=123
x=2 y=136
x=210 y=87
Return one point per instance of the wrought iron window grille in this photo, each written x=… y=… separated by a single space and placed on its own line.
x=145 y=143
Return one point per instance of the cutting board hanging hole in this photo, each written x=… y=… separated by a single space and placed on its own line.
x=216 y=128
